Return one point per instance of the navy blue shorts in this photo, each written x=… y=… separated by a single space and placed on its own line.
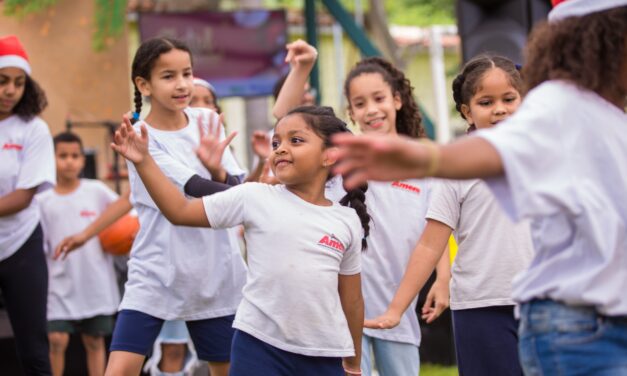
x=486 y=341
x=251 y=356
x=137 y=331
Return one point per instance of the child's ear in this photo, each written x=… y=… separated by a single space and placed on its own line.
x=467 y=114
x=329 y=156
x=143 y=86
x=398 y=102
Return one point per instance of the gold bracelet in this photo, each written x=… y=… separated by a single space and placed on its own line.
x=434 y=156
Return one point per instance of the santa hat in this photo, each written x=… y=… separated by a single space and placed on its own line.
x=12 y=54
x=577 y=8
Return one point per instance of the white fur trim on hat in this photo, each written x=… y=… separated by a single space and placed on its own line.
x=14 y=61
x=578 y=8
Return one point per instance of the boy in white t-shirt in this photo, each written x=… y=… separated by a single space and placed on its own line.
x=83 y=294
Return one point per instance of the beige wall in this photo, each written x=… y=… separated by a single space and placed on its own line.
x=81 y=84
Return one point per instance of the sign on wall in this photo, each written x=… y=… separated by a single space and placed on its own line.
x=240 y=53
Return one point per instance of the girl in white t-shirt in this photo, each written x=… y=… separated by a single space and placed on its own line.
x=26 y=167
x=381 y=102
x=302 y=309
x=492 y=249
x=176 y=272
x=560 y=162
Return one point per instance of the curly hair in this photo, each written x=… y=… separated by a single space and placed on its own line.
x=323 y=122
x=408 y=118
x=588 y=51
x=33 y=100
x=145 y=59
x=468 y=81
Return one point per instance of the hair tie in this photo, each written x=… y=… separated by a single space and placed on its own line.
x=518 y=67
x=135 y=115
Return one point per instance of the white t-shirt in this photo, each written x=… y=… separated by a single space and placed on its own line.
x=296 y=250
x=26 y=161
x=84 y=284
x=397 y=211
x=178 y=272
x=492 y=248
x=565 y=157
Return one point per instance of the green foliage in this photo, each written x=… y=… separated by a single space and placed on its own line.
x=399 y=12
x=437 y=370
x=21 y=8
x=109 y=19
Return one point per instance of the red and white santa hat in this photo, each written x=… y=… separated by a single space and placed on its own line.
x=577 y=8
x=12 y=54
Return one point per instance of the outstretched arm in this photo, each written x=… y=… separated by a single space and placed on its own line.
x=388 y=158
x=174 y=206
x=438 y=297
x=421 y=264
x=349 y=287
x=302 y=57
x=112 y=213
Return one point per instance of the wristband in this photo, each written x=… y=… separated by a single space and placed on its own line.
x=351 y=372
x=434 y=156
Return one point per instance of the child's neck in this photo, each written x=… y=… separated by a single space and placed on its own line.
x=166 y=120
x=65 y=186
x=312 y=193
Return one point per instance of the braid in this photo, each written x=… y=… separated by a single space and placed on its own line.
x=356 y=199
x=408 y=118
x=138 y=105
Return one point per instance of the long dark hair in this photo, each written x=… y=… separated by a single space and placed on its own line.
x=145 y=59
x=323 y=122
x=408 y=118
x=33 y=100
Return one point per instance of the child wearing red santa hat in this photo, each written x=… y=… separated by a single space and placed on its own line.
x=27 y=167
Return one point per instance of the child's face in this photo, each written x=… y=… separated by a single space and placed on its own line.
x=171 y=81
x=298 y=154
x=12 y=81
x=495 y=100
x=202 y=97
x=70 y=160
x=372 y=105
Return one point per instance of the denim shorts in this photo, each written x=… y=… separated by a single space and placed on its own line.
x=558 y=339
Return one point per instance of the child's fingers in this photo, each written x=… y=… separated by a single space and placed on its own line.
x=229 y=138
x=428 y=303
x=144 y=132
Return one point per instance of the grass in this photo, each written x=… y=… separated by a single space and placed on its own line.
x=437 y=370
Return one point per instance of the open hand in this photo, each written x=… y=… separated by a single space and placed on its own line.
x=260 y=142
x=128 y=143
x=383 y=158
x=300 y=52
x=437 y=301
x=388 y=320
x=67 y=245
x=211 y=149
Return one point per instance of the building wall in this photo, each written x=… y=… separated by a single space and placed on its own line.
x=81 y=85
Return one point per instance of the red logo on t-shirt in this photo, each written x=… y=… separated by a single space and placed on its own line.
x=10 y=146
x=405 y=186
x=88 y=213
x=332 y=242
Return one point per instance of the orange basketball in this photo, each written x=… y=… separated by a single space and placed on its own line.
x=117 y=239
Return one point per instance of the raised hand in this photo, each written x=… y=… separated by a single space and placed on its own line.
x=266 y=178
x=388 y=320
x=129 y=144
x=300 y=52
x=383 y=158
x=260 y=142
x=211 y=149
x=69 y=244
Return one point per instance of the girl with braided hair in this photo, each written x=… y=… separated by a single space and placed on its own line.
x=302 y=309
x=380 y=100
x=174 y=272
x=492 y=249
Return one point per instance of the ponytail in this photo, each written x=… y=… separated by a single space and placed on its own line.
x=356 y=199
x=138 y=106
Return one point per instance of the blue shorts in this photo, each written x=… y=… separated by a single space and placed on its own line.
x=137 y=331
x=251 y=356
